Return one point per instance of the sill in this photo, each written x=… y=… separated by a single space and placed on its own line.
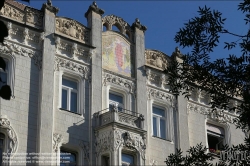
x=70 y=111
x=163 y=139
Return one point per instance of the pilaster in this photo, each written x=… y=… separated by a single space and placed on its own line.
x=94 y=19
x=45 y=115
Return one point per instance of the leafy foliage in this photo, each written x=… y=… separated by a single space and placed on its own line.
x=225 y=79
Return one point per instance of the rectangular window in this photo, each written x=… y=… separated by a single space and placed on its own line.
x=69 y=95
x=4 y=75
x=159 y=123
x=116 y=100
x=215 y=137
x=127 y=160
x=67 y=158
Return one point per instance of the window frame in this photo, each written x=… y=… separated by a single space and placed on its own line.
x=225 y=136
x=69 y=151
x=158 y=122
x=80 y=80
x=10 y=68
x=130 y=154
x=69 y=92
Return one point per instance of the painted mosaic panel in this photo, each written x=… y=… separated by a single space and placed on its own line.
x=116 y=55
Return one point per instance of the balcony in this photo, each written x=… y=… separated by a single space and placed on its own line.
x=119 y=116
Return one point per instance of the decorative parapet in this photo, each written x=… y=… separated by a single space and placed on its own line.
x=72 y=29
x=57 y=140
x=14 y=49
x=29 y=16
x=70 y=65
x=6 y=127
x=123 y=26
x=158 y=94
x=156 y=59
x=221 y=116
x=125 y=83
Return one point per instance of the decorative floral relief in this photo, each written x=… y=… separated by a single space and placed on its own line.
x=34 y=16
x=153 y=162
x=13 y=13
x=156 y=78
x=114 y=20
x=57 y=140
x=154 y=93
x=5 y=125
x=222 y=116
x=118 y=81
x=72 y=29
x=113 y=139
x=11 y=48
x=156 y=59
x=85 y=147
x=68 y=64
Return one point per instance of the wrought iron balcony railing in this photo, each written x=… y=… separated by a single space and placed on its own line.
x=119 y=115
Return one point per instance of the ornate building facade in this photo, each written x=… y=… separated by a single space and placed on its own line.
x=89 y=95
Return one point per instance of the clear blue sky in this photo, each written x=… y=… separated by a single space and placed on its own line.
x=162 y=18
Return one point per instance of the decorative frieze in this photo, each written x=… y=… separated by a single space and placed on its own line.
x=113 y=139
x=157 y=94
x=73 y=29
x=11 y=48
x=32 y=17
x=157 y=79
x=221 y=116
x=6 y=127
x=57 y=140
x=110 y=78
x=69 y=64
x=156 y=59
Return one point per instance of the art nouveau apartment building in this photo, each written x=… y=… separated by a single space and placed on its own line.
x=95 y=94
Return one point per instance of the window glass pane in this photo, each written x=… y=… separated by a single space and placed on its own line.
x=67 y=159
x=64 y=99
x=154 y=126
x=163 y=128
x=73 y=102
x=69 y=83
x=128 y=158
x=116 y=98
x=3 y=76
x=158 y=111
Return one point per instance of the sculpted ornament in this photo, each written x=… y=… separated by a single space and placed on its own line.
x=34 y=17
x=156 y=59
x=221 y=116
x=11 y=48
x=12 y=13
x=114 y=20
x=154 y=93
x=85 y=147
x=5 y=125
x=110 y=78
x=68 y=64
x=72 y=29
x=57 y=140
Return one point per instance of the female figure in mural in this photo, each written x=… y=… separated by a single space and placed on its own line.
x=119 y=57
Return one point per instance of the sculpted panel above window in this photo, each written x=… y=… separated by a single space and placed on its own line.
x=156 y=59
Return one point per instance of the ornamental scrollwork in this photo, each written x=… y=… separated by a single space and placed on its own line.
x=34 y=17
x=85 y=146
x=221 y=116
x=11 y=12
x=72 y=29
x=57 y=140
x=11 y=48
x=68 y=64
x=5 y=125
x=156 y=59
x=110 y=78
x=154 y=93
x=113 y=139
